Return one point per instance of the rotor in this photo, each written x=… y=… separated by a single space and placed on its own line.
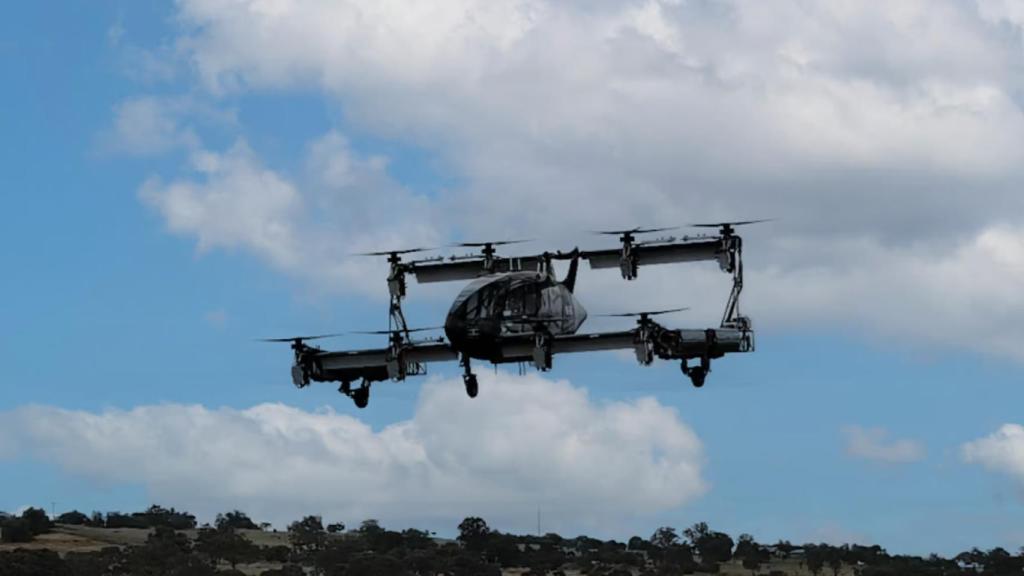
x=297 y=341
x=727 y=229
x=487 y=249
x=645 y=315
x=637 y=230
x=398 y=330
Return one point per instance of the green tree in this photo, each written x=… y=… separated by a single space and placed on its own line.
x=166 y=552
x=23 y=562
x=413 y=539
x=750 y=553
x=814 y=557
x=73 y=518
x=307 y=535
x=369 y=528
x=474 y=533
x=664 y=537
x=37 y=520
x=16 y=530
x=235 y=519
x=713 y=547
x=225 y=544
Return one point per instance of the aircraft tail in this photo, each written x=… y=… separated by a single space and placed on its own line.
x=570 y=277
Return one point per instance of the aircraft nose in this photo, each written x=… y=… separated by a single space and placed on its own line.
x=579 y=312
x=454 y=329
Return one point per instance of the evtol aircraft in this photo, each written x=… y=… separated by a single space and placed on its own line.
x=515 y=310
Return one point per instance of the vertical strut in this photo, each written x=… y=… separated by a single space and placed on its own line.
x=732 y=317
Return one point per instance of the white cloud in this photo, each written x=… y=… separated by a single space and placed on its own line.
x=524 y=442
x=149 y=125
x=875 y=444
x=1002 y=451
x=887 y=137
x=351 y=205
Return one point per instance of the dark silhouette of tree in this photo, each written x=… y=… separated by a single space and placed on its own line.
x=664 y=537
x=638 y=543
x=369 y=528
x=307 y=535
x=469 y=565
x=678 y=558
x=36 y=520
x=372 y=564
x=23 y=562
x=474 y=533
x=276 y=553
x=503 y=549
x=16 y=531
x=225 y=544
x=157 y=515
x=93 y=563
x=118 y=520
x=784 y=549
x=814 y=557
x=373 y=550
x=73 y=518
x=413 y=539
x=713 y=547
x=336 y=528
x=166 y=552
x=336 y=553
x=834 y=559
x=750 y=553
x=235 y=519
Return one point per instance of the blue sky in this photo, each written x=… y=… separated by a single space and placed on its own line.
x=897 y=314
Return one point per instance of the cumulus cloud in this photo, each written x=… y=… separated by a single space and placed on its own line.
x=1002 y=451
x=875 y=444
x=148 y=125
x=886 y=136
x=232 y=200
x=524 y=442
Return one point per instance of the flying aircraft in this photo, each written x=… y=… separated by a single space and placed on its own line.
x=515 y=310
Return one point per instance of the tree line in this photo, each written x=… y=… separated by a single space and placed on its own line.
x=175 y=546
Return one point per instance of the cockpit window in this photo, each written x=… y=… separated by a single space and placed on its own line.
x=485 y=302
x=522 y=301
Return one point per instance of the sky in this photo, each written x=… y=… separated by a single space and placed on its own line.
x=178 y=179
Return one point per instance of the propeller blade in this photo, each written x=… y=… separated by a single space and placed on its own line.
x=390 y=252
x=424 y=329
x=636 y=230
x=651 y=313
x=300 y=338
x=739 y=223
x=484 y=244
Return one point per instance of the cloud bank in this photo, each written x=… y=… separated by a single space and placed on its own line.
x=888 y=138
x=524 y=442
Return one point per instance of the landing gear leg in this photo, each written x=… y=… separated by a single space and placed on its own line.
x=697 y=374
x=361 y=395
x=468 y=378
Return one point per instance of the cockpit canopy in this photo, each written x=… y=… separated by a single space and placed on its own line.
x=515 y=303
